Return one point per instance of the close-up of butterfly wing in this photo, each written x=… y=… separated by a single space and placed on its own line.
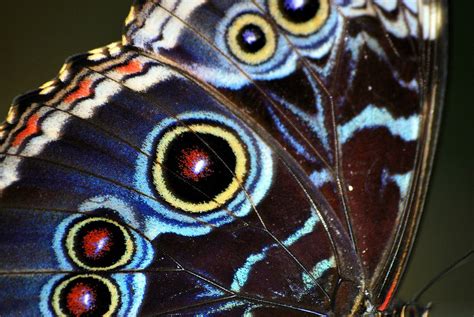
x=226 y=158
x=363 y=119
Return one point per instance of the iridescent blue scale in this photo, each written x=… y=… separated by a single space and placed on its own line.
x=226 y=158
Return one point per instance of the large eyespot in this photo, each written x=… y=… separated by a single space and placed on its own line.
x=299 y=17
x=99 y=244
x=199 y=168
x=85 y=295
x=251 y=39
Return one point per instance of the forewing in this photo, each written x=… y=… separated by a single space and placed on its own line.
x=97 y=217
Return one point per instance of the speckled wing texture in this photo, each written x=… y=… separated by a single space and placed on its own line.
x=226 y=158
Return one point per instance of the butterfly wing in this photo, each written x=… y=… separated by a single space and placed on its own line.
x=350 y=89
x=128 y=188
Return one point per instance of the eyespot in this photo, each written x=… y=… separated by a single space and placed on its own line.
x=99 y=244
x=199 y=168
x=85 y=295
x=251 y=39
x=299 y=17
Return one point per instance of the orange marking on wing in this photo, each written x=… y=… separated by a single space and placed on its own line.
x=131 y=67
x=389 y=296
x=83 y=91
x=30 y=129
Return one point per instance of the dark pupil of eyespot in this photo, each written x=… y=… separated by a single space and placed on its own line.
x=299 y=11
x=198 y=167
x=85 y=297
x=99 y=244
x=251 y=38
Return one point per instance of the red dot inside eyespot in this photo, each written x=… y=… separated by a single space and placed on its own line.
x=97 y=242
x=81 y=299
x=195 y=164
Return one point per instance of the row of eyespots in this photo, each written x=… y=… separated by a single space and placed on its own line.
x=95 y=244
x=211 y=155
x=252 y=39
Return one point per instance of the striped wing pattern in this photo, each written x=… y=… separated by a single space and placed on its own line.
x=225 y=158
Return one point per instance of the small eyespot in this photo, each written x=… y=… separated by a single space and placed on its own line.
x=299 y=17
x=251 y=39
x=85 y=295
x=99 y=244
x=199 y=168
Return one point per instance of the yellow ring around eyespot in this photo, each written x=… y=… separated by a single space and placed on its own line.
x=305 y=28
x=114 y=294
x=265 y=53
x=129 y=248
x=220 y=199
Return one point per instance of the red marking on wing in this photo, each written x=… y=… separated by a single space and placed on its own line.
x=132 y=67
x=81 y=299
x=194 y=164
x=96 y=243
x=30 y=129
x=83 y=91
x=389 y=296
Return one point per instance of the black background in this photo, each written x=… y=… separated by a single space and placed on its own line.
x=36 y=37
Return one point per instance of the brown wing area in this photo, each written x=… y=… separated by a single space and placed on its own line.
x=353 y=96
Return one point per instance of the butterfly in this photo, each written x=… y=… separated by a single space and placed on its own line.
x=225 y=158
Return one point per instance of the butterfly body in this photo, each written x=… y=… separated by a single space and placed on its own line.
x=226 y=158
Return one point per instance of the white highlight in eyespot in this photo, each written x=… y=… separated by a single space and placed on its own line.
x=372 y=117
x=86 y=300
x=200 y=165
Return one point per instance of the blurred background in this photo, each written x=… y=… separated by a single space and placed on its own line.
x=36 y=37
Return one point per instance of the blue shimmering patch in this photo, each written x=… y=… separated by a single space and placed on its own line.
x=317 y=272
x=319 y=178
x=242 y=274
x=58 y=242
x=210 y=291
x=132 y=290
x=289 y=138
x=225 y=307
x=316 y=123
x=374 y=117
x=45 y=295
